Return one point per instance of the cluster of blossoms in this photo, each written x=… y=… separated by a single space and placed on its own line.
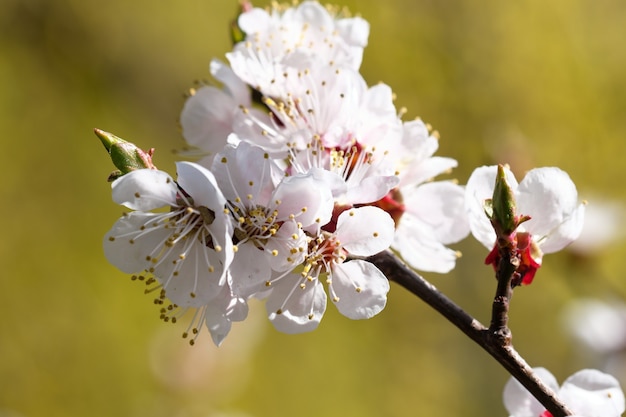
x=305 y=171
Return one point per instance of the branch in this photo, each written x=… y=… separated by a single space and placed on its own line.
x=499 y=348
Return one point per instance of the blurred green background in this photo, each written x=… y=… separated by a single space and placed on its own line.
x=531 y=83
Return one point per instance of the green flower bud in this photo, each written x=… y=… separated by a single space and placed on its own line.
x=125 y=156
x=503 y=204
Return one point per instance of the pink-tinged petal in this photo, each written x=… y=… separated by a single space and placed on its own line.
x=479 y=188
x=293 y=309
x=593 y=394
x=306 y=198
x=423 y=252
x=365 y=231
x=361 y=289
x=131 y=239
x=519 y=402
x=438 y=206
x=549 y=197
x=207 y=119
x=144 y=190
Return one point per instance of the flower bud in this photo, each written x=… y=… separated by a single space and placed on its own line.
x=503 y=205
x=125 y=156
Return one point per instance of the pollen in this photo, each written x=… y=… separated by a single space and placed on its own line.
x=137 y=195
x=375 y=234
x=274 y=252
x=358 y=289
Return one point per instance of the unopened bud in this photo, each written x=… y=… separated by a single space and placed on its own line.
x=125 y=156
x=503 y=204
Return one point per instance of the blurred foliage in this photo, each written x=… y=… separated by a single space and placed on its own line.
x=529 y=83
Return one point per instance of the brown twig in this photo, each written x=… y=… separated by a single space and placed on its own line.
x=499 y=348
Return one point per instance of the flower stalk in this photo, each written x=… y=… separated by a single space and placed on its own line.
x=506 y=355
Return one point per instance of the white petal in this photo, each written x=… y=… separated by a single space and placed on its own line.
x=370 y=189
x=221 y=312
x=195 y=280
x=519 y=402
x=361 y=288
x=314 y=14
x=201 y=185
x=289 y=245
x=423 y=252
x=566 y=233
x=250 y=270
x=439 y=206
x=305 y=197
x=480 y=186
x=239 y=90
x=354 y=30
x=255 y=20
x=593 y=394
x=245 y=172
x=365 y=231
x=127 y=244
x=293 y=309
x=549 y=196
x=421 y=171
x=207 y=119
x=144 y=190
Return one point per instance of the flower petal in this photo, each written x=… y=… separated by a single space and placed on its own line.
x=549 y=197
x=361 y=288
x=305 y=197
x=250 y=270
x=519 y=402
x=144 y=190
x=128 y=242
x=365 y=231
x=440 y=206
x=293 y=309
x=592 y=393
x=421 y=251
